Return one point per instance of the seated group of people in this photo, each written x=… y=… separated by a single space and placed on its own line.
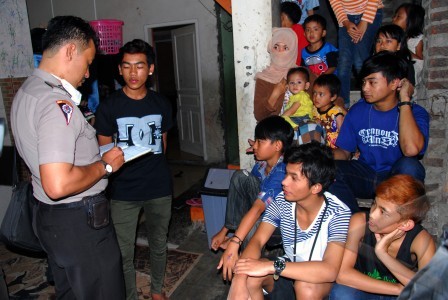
x=309 y=193
x=286 y=89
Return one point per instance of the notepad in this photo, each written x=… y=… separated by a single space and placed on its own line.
x=130 y=152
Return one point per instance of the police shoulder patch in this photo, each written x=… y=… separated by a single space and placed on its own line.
x=66 y=108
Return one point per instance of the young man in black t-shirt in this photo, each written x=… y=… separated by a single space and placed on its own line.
x=139 y=116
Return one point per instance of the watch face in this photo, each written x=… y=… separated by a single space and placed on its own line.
x=109 y=168
x=279 y=264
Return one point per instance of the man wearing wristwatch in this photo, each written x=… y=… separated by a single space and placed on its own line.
x=313 y=225
x=390 y=132
x=68 y=173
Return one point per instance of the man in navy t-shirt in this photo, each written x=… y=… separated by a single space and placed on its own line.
x=390 y=132
x=142 y=117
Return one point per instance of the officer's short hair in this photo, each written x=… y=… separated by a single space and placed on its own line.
x=65 y=29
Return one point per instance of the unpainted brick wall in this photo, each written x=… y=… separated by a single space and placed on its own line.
x=435 y=98
x=9 y=87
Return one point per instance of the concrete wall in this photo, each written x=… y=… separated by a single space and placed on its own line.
x=252 y=29
x=16 y=61
x=138 y=13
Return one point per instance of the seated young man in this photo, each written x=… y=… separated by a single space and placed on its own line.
x=387 y=246
x=250 y=193
x=389 y=130
x=313 y=225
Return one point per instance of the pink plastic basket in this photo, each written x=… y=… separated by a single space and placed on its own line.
x=110 y=34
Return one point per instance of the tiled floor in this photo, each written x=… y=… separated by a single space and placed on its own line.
x=204 y=281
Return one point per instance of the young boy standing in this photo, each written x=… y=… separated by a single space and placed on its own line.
x=251 y=193
x=139 y=116
x=325 y=91
x=313 y=225
x=319 y=56
x=387 y=246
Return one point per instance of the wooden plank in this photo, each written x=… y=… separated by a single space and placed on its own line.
x=226 y=4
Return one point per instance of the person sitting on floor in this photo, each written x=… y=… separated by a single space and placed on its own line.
x=251 y=193
x=387 y=246
x=389 y=130
x=313 y=225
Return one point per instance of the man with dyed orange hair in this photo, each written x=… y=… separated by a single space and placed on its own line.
x=386 y=246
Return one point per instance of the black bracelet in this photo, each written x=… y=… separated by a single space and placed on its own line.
x=236 y=242
x=410 y=103
x=235 y=236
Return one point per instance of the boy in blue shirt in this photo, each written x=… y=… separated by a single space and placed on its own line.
x=251 y=193
x=319 y=56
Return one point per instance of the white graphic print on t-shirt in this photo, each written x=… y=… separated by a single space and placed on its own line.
x=145 y=131
x=379 y=137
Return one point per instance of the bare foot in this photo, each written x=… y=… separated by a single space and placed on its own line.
x=159 y=297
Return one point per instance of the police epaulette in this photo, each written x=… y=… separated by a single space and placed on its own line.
x=59 y=86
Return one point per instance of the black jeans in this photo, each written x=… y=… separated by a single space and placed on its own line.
x=85 y=262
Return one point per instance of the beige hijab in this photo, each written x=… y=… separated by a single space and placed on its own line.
x=281 y=62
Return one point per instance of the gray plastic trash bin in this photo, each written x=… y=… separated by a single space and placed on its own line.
x=214 y=199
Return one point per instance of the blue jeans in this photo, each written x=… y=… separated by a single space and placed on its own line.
x=353 y=55
x=157 y=217
x=243 y=191
x=343 y=292
x=355 y=179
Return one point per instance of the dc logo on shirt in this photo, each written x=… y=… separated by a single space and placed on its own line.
x=145 y=131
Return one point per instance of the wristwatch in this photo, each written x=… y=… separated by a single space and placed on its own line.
x=279 y=266
x=107 y=168
x=410 y=103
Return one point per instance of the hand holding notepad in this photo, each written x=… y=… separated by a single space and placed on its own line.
x=130 y=152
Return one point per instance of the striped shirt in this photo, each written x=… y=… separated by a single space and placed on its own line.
x=281 y=213
x=367 y=8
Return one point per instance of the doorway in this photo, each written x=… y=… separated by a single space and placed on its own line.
x=178 y=77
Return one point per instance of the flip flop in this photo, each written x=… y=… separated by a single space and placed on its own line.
x=194 y=202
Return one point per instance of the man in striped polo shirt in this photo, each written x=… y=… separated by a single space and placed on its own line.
x=313 y=225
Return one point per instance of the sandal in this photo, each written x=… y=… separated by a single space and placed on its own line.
x=197 y=202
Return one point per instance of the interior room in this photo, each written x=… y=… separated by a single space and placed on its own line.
x=207 y=55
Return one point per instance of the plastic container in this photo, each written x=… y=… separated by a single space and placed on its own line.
x=110 y=34
x=214 y=199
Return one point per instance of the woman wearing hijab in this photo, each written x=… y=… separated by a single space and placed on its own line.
x=270 y=85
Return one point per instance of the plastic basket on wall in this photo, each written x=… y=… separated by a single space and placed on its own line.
x=110 y=34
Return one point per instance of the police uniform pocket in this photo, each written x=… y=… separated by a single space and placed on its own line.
x=88 y=131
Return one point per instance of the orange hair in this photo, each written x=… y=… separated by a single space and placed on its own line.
x=407 y=193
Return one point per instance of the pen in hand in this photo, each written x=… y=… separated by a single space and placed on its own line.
x=115 y=140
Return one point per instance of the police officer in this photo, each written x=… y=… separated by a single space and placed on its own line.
x=68 y=173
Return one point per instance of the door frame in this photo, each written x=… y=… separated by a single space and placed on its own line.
x=148 y=37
